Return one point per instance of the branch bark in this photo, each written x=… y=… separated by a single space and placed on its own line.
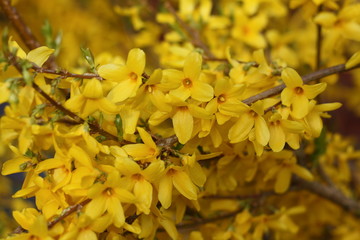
x=306 y=79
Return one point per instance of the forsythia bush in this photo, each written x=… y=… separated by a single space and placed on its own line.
x=210 y=127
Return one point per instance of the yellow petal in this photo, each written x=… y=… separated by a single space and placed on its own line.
x=165 y=191
x=113 y=72
x=154 y=170
x=96 y=207
x=80 y=155
x=123 y=90
x=283 y=180
x=116 y=210
x=184 y=185
x=146 y=137
x=302 y=172
x=143 y=191
x=292 y=126
x=287 y=96
x=262 y=133
x=183 y=125
x=300 y=107
x=311 y=91
x=93 y=89
x=277 y=138
x=139 y=151
x=192 y=66
x=353 y=61
x=291 y=78
x=136 y=61
x=241 y=129
x=39 y=55
x=201 y=91
x=326 y=19
x=108 y=107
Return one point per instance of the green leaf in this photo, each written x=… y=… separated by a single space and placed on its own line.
x=320 y=147
x=89 y=57
x=119 y=127
x=5 y=40
x=100 y=138
x=29 y=153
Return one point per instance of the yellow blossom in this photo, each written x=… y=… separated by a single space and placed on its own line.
x=296 y=94
x=127 y=77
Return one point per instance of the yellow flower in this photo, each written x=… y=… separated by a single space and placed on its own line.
x=226 y=103
x=190 y=82
x=151 y=91
x=91 y=100
x=296 y=94
x=251 y=118
x=143 y=151
x=128 y=77
x=107 y=197
x=139 y=180
x=279 y=128
x=37 y=230
x=248 y=29
x=313 y=121
x=283 y=171
x=38 y=55
x=175 y=176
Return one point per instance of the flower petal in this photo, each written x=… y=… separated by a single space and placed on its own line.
x=93 y=89
x=291 y=78
x=184 y=185
x=39 y=55
x=136 y=61
x=311 y=91
x=283 y=180
x=192 y=66
x=165 y=191
x=183 y=125
x=241 y=129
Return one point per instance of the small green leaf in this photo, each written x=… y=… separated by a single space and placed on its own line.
x=100 y=138
x=119 y=127
x=5 y=40
x=29 y=153
x=89 y=57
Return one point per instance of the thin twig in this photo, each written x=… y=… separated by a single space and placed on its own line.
x=306 y=79
x=93 y=127
x=332 y=194
x=318 y=43
x=193 y=34
x=24 y=31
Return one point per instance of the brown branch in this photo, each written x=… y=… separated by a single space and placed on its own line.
x=318 y=43
x=66 y=74
x=332 y=194
x=306 y=79
x=241 y=197
x=93 y=127
x=24 y=31
x=193 y=34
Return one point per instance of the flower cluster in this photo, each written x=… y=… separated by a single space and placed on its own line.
x=130 y=150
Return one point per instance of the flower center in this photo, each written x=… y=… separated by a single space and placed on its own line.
x=133 y=76
x=187 y=82
x=299 y=90
x=108 y=191
x=149 y=89
x=221 y=98
x=137 y=177
x=275 y=123
x=253 y=113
